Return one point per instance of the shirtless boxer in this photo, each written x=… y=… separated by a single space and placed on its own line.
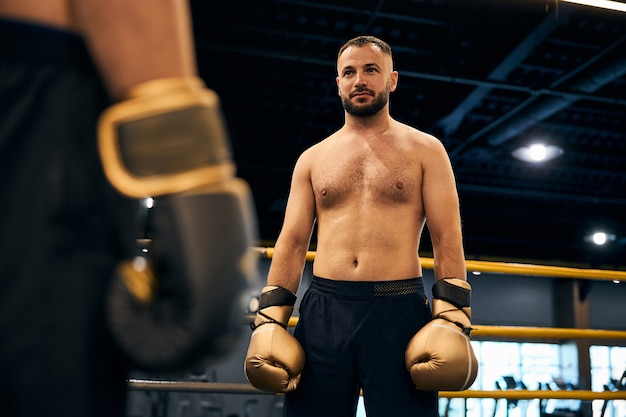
x=371 y=186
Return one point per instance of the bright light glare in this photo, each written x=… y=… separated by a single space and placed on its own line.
x=148 y=202
x=599 y=238
x=604 y=4
x=537 y=152
x=139 y=263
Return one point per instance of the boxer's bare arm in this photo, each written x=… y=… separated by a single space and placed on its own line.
x=441 y=206
x=293 y=242
x=130 y=41
x=46 y=12
x=137 y=41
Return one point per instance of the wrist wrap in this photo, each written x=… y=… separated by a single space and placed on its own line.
x=451 y=293
x=278 y=296
x=277 y=302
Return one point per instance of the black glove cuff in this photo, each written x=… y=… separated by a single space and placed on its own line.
x=278 y=296
x=451 y=293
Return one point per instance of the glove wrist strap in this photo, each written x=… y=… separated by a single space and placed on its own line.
x=446 y=290
x=457 y=293
x=278 y=300
x=276 y=296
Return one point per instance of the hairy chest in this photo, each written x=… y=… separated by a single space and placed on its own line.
x=345 y=177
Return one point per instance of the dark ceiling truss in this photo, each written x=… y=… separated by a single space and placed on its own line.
x=604 y=68
x=357 y=12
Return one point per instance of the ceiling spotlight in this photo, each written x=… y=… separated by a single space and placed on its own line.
x=537 y=152
x=600 y=238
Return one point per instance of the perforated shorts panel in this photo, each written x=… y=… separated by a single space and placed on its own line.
x=367 y=289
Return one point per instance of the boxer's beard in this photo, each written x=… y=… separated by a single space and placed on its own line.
x=361 y=110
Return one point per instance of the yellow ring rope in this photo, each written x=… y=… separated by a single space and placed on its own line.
x=508 y=268
x=532 y=332
x=239 y=388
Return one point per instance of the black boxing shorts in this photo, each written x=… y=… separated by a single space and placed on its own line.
x=354 y=335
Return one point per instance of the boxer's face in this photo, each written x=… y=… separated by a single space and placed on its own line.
x=365 y=79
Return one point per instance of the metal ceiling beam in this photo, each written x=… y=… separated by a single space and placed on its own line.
x=604 y=69
x=450 y=123
x=363 y=11
x=537 y=109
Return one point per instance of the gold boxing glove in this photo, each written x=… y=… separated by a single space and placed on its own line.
x=180 y=305
x=275 y=358
x=440 y=356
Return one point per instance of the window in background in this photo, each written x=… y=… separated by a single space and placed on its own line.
x=608 y=366
x=534 y=366
x=507 y=365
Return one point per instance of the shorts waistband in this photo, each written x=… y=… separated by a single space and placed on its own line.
x=368 y=289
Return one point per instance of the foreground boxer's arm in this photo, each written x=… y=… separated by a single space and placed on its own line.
x=275 y=358
x=137 y=41
x=440 y=355
x=165 y=139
